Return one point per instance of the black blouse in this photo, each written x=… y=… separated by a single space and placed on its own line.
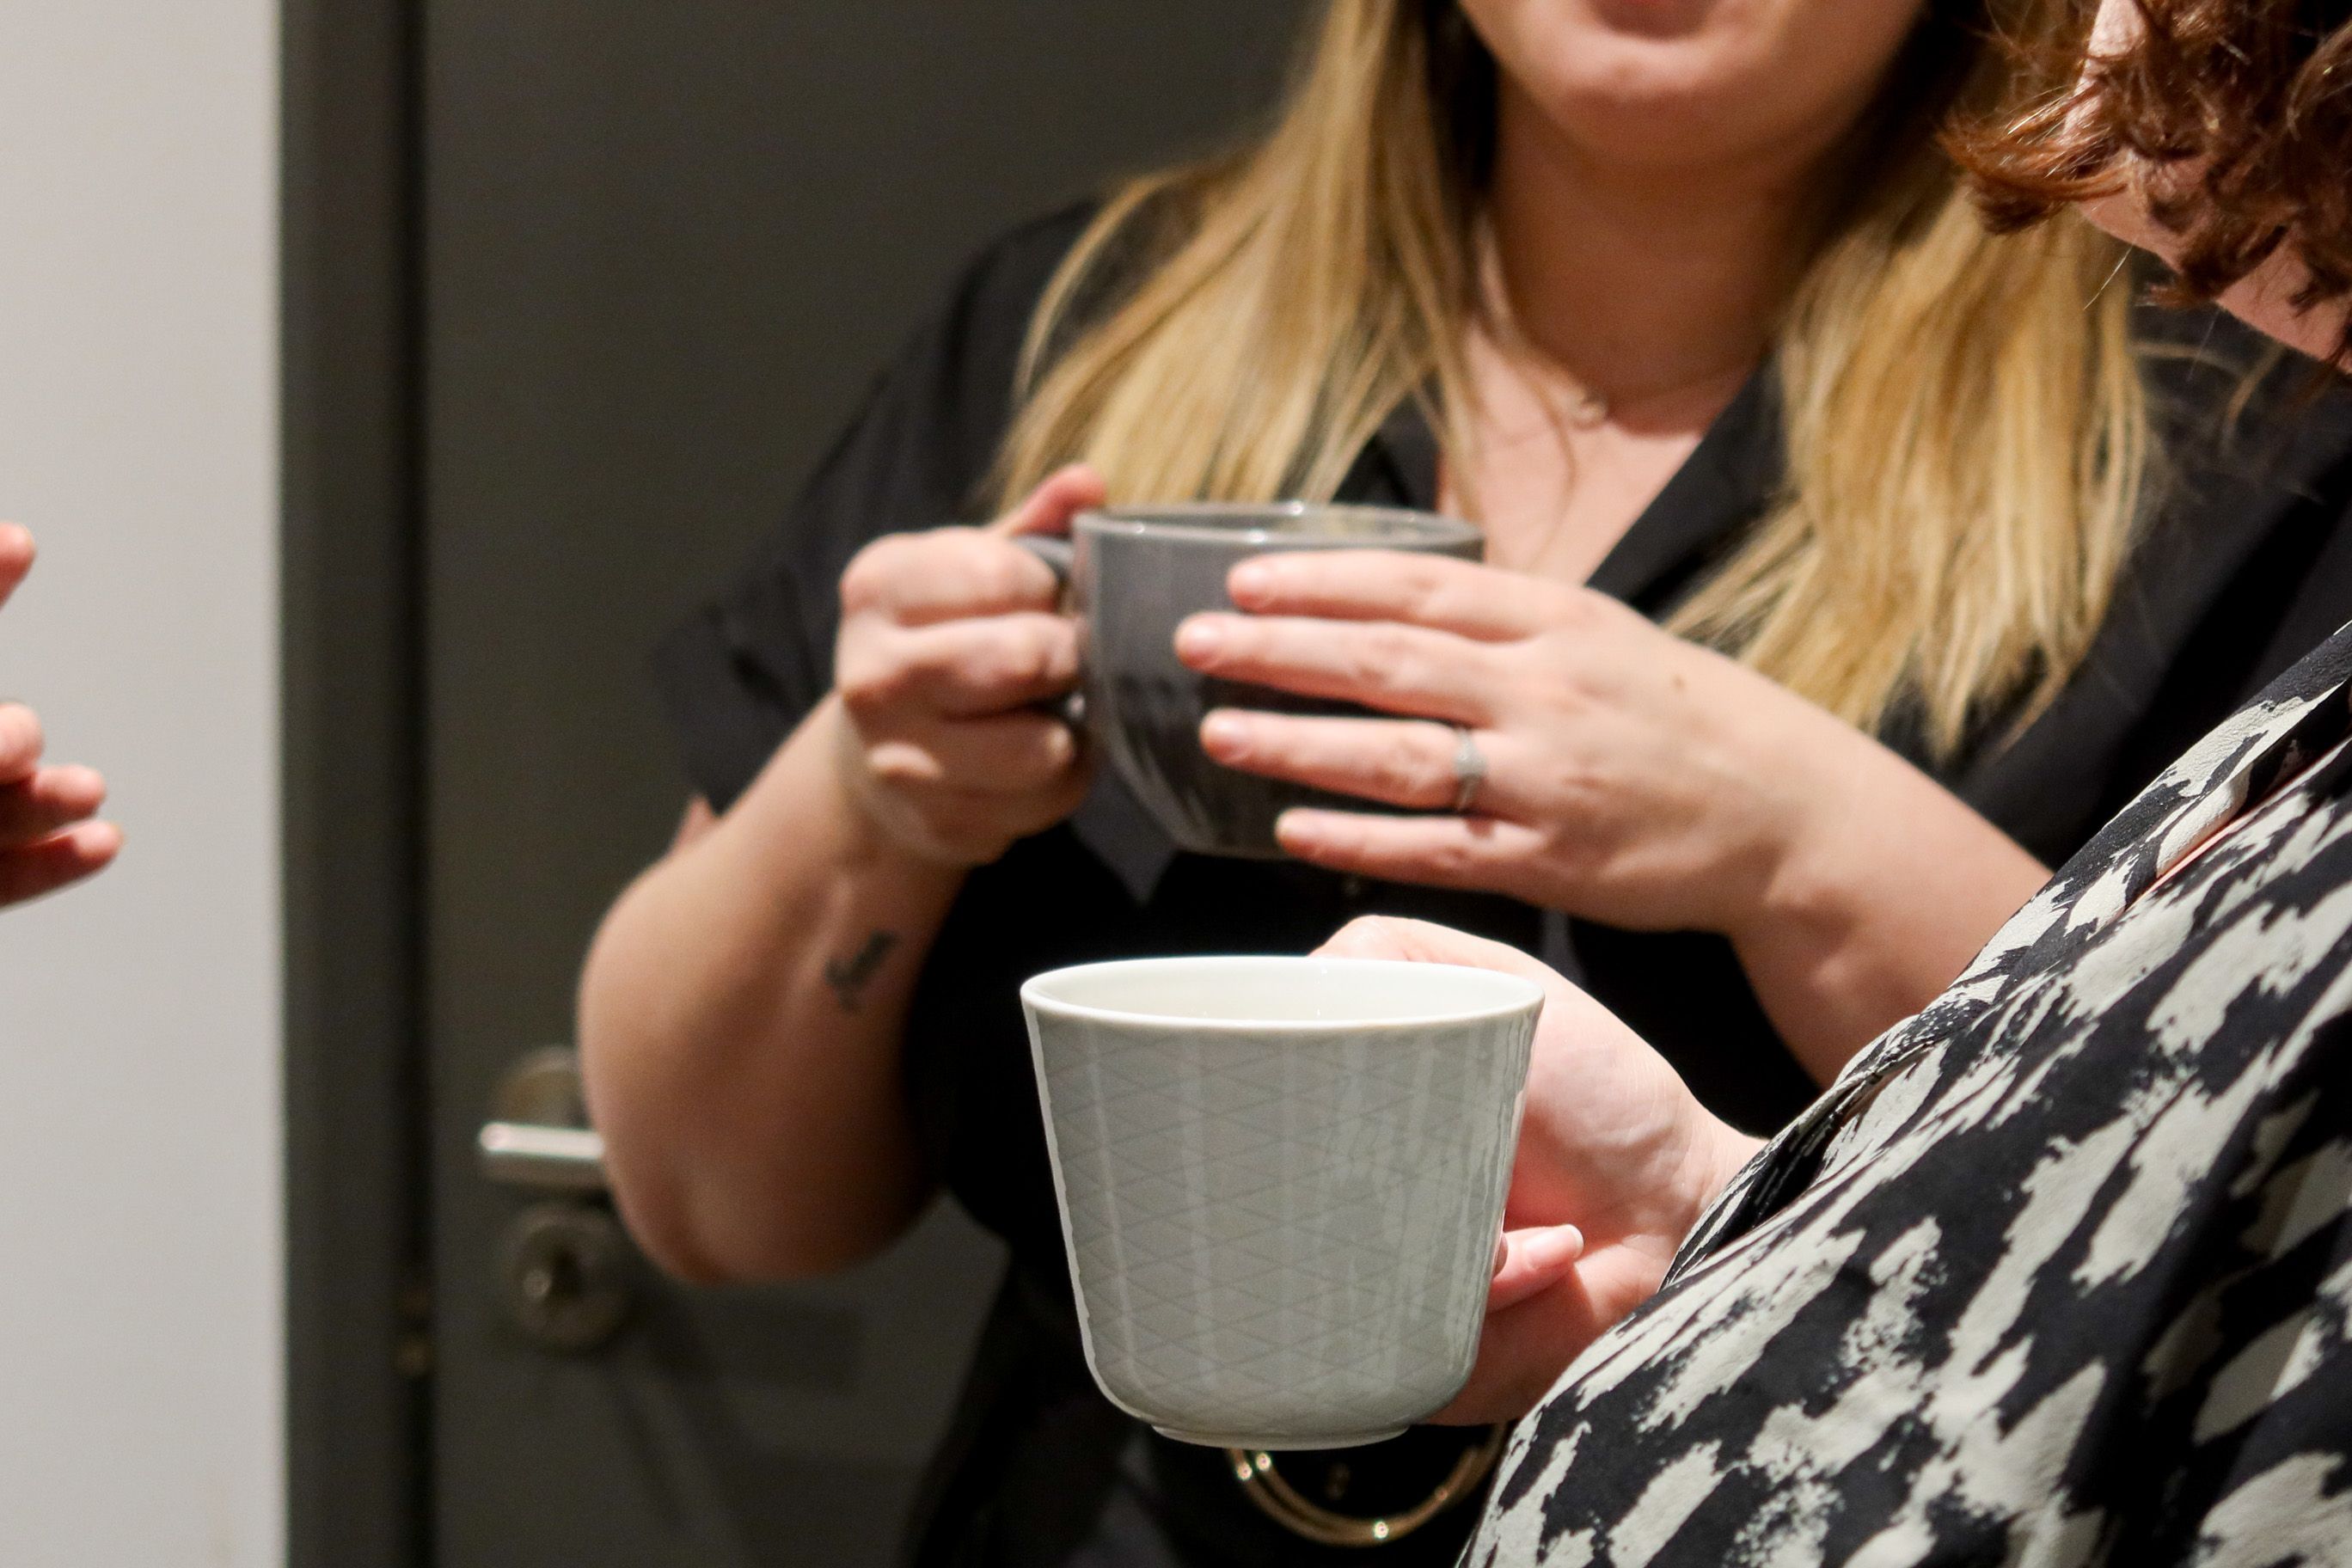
x=2245 y=523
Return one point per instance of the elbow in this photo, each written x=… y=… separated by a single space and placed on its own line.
x=712 y=1202
x=663 y=1228
x=717 y=1231
x=671 y=1247
x=705 y=1216
x=647 y=1168
x=711 y=1182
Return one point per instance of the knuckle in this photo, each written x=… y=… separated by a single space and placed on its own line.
x=951 y=549
x=1449 y=857
x=986 y=571
x=1052 y=750
x=1038 y=655
x=20 y=729
x=1024 y=656
x=865 y=581
x=1392 y=654
x=897 y=763
x=991 y=668
x=1408 y=673
x=1004 y=572
x=1369 y=933
x=1426 y=589
x=1561 y=602
x=868 y=683
x=1588 y=610
x=1570 y=613
x=1400 y=772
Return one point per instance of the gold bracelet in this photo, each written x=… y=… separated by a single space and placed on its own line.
x=1264 y=1485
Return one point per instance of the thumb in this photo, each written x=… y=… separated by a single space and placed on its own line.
x=1530 y=1261
x=1421 y=941
x=1063 y=494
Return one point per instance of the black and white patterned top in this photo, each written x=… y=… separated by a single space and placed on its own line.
x=2060 y=1271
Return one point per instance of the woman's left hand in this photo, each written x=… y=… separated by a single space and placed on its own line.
x=1631 y=777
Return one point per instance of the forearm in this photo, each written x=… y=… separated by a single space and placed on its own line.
x=740 y=1021
x=1878 y=908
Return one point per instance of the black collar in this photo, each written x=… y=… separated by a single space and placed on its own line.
x=1734 y=474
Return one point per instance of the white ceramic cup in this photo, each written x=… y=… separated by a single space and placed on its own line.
x=1281 y=1183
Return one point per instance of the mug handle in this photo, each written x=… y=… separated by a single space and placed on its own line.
x=1060 y=556
x=1055 y=550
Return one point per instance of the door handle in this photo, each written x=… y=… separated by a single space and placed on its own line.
x=538 y=1137
x=542 y=1158
x=567 y=1275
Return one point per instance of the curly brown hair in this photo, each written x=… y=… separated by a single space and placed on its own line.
x=2243 y=107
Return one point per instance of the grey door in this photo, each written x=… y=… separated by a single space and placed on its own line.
x=666 y=242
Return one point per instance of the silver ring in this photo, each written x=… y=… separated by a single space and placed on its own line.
x=1469 y=769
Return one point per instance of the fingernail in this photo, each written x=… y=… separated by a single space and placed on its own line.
x=1559 y=1245
x=1249 y=581
x=1199 y=638
x=1223 y=731
x=1295 y=827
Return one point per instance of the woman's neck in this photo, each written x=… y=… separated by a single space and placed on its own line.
x=1690 y=265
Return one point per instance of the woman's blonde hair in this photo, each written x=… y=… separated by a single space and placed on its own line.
x=1965 y=423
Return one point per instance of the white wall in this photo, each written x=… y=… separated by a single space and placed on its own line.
x=140 y=1361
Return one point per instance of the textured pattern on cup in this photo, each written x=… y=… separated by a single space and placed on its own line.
x=1280 y=1230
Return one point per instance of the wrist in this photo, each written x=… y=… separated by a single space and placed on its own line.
x=1715 y=1154
x=1798 y=876
x=868 y=834
x=1726 y=1153
x=803 y=812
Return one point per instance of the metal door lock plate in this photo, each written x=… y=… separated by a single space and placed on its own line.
x=566 y=1274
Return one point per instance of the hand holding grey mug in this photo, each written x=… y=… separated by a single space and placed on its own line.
x=1135 y=574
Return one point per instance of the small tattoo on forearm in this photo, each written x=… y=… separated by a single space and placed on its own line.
x=849 y=977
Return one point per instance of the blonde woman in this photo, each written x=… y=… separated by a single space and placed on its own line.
x=1684 y=306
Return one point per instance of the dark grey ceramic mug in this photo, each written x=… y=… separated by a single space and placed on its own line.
x=1135 y=573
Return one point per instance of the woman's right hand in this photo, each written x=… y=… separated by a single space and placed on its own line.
x=949 y=641
x=741 y=1012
